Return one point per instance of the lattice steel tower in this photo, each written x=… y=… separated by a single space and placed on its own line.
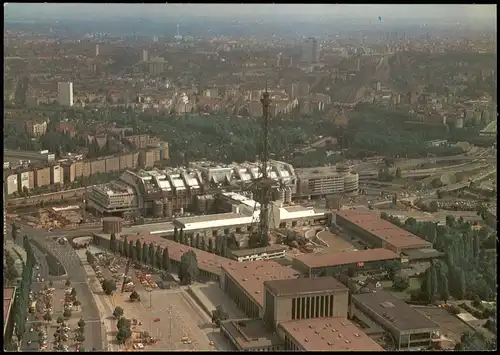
x=264 y=185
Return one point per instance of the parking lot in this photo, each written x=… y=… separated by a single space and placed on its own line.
x=167 y=316
x=56 y=310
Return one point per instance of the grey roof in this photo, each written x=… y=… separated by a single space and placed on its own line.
x=395 y=311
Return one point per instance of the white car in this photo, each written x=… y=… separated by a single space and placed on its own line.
x=31 y=330
x=37 y=267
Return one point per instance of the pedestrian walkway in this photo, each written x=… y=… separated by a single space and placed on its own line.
x=104 y=311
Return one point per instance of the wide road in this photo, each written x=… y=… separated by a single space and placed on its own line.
x=76 y=273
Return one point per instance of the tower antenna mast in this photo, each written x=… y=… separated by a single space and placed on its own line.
x=265 y=184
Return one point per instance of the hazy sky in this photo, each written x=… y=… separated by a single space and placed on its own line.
x=388 y=12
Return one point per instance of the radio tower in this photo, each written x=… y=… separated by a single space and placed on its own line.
x=264 y=184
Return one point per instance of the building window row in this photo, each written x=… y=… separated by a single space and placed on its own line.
x=312 y=307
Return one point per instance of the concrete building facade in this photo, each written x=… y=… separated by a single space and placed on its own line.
x=323 y=181
x=65 y=93
x=43 y=177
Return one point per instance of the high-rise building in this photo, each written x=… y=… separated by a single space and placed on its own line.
x=310 y=50
x=144 y=55
x=96 y=50
x=65 y=93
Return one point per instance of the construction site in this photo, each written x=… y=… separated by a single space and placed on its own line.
x=54 y=217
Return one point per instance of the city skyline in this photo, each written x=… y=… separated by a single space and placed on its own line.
x=386 y=12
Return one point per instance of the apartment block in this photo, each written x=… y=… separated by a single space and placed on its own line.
x=164 y=153
x=69 y=172
x=23 y=180
x=36 y=128
x=140 y=141
x=65 y=93
x=42 y=177
x=127 y=161
x=86 y=169
x=98 y=166
x=56 y=174
x=147 y=158
x=135 y=160
x=78 y=168
x=112 y=164
x=11 y=184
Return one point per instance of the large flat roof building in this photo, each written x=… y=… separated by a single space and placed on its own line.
x=410 y=329
x=304 y=298
x=317 y=264
x=326 y=334
x=244 y=283
x=378 y=232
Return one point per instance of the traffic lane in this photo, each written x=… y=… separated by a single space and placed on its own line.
x=76 y=274
x=40 y=232
x=41 y=262
x=69 y=259
x=32 y=336
x=90 y=313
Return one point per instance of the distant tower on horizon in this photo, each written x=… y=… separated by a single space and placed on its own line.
x=178 y=36
x=96 y=50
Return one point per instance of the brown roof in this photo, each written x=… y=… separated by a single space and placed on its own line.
x=346 y=257
x=8 y=300
x=384 y=230
x=396 y=311
x=206 y=261
x=251 y=276
x=329 y=334
x=304 y=285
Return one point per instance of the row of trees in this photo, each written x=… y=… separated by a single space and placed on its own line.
x=157 y=257
x=10 y=274
x=21 y=302
x=469 y=267
x=124 y=327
